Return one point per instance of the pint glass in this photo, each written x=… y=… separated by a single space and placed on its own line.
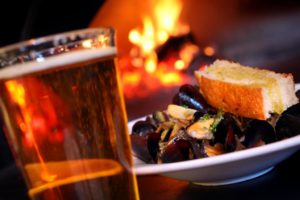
x=64 y=116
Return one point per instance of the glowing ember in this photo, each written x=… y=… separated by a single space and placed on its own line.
x=209 y=51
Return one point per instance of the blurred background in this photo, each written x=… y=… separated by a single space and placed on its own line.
x=162 y=42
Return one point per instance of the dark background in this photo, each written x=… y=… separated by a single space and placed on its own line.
x=26 y=19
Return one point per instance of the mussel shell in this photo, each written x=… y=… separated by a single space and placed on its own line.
x=259 y=132
x=197 y=115
x=288 y=124
x=230 y=141
x=190 y=96
x=208 y=150
x=297 y=93
x=142 y=128
x=177 y=150
x=140 y=148
x=225 y=130
x=152 y=144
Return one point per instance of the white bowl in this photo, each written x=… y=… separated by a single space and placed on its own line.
x=227 y=168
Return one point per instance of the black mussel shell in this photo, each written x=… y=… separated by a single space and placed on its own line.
x=226 y=132
x=152 y=144
x=196 y=148
x=257 y=133
x=288 y=124
x=197 y=115
x=298 y=94
x=140 y=148
x=177 y=150
x=142 y=128
x=230 y=141
x=146 y=148
x=190 y=96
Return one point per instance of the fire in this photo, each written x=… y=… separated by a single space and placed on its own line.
x=149 y=72
x=158 y=28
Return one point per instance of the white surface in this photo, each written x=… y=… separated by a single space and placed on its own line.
x=227 y=168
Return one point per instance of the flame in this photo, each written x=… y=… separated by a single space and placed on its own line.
x=145 y=72
x=165 y=17
x=156 y=30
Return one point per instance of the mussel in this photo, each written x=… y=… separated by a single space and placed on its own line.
x=140 y=148
x=257 y=133
x=209 y=150
x=145 y=140
x=288 y=124
x=227 y=133
x=146 y=148
x=190 y=96
x=142 y=128
x=181 y=148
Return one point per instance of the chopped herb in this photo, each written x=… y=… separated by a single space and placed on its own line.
x=214 y=125
x=185 y=106
x=206 y=117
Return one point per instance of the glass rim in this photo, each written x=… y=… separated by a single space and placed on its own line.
x=51 y=37
x=42 y=53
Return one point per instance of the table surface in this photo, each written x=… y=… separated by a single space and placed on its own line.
x=280 y=183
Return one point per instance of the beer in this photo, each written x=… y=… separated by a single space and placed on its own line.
x=66 y=123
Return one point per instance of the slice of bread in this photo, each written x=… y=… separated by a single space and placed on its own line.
x=246 y=91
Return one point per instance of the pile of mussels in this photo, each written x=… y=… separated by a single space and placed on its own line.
x=191 y=129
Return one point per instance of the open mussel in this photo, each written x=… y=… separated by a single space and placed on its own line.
x=227 y=133
x=181 y=148
x=145 y=140
x=190 y=97
x=140 y=148
x=147 y=135
x=178 y=150
x=146 y=148
x=142 y=128
x=288 y=124
x=209 y=150
x=258 y=133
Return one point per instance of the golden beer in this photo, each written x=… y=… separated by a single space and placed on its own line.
x=65 y=119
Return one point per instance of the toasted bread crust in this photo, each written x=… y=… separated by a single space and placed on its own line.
x=237 y=99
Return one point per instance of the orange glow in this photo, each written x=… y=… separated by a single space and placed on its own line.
x=81 y=170
x=179 y=64
x=18 y=92
x=162 y=36
x=134 y=37
x=131 y=78
x=209 y=51
x=150 y=66
x=156 y=30
x=188 y=52
x=166 y=14
x=144 y=72
x=34 y=120
x=171 y=78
